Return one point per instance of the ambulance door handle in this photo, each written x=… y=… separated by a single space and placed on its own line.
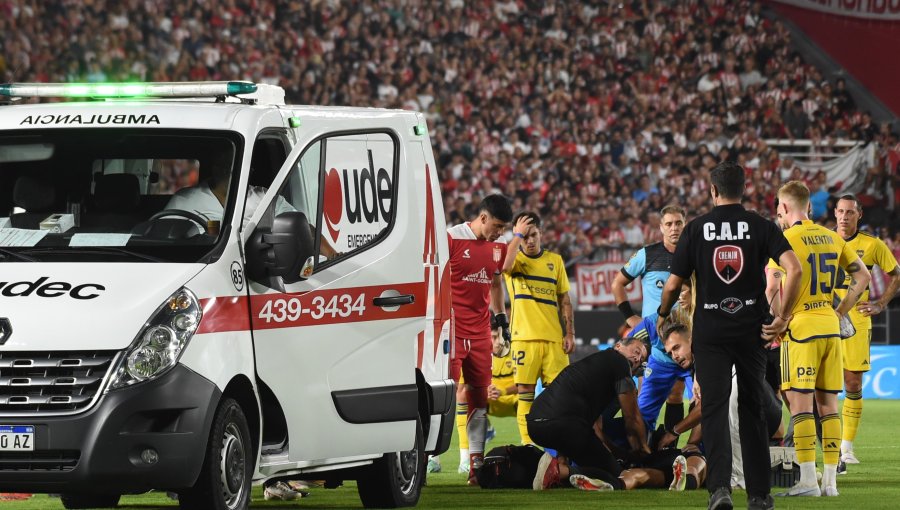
x=402 y=299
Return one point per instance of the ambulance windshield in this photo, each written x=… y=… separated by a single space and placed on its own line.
x=116 y=195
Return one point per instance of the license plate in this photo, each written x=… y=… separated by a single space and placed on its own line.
x=16 y=438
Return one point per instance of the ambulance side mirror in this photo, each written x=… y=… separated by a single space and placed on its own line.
x=283 y=251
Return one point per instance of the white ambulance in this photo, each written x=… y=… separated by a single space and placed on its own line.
x=202 y=288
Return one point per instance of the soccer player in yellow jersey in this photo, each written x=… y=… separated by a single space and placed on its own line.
x=542 y=322
x=873 y=252
x=811 y=350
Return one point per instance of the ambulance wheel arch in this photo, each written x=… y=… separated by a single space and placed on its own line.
x=234 y=434
x=225 y=480
x=396 y=479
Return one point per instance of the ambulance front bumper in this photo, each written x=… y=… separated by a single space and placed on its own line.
x=149 y=436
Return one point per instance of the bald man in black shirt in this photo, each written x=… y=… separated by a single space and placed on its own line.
x=728 y=249
x=564 y=414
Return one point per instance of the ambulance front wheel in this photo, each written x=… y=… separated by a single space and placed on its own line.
x=396 y=479
x=225 y=479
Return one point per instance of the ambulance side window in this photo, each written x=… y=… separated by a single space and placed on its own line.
x=345 y=186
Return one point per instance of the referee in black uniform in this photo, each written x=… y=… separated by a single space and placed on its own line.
x=728 y=249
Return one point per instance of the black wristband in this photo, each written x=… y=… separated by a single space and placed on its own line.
x=671 y=430
x=625 y=308
x=663 y=315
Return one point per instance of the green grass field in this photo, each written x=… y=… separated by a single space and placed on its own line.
x=873 y=484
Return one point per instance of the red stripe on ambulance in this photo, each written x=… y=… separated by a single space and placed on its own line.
x=331 y=306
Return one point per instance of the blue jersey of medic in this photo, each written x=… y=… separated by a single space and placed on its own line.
x=652 y=264
x=647 y=329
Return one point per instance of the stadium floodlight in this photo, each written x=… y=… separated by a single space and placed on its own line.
x=128 y=90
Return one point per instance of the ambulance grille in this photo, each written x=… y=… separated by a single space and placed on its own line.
x=52 y=382
x=48 y=460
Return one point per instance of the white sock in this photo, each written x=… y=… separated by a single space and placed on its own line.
x=808 y=474
x=829 y=475
x=463 y=455
x=476 y=429
x=846 y=446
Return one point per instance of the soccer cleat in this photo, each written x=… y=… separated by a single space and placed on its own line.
x=679 y=474
x=800 y=490
x=849 y=458
x=841 y=468
x=720 y=499
x=282 y=491
x=547 y=475
x=589 y=484
x=434 y=464
x=829 y=490
x=476 y=460
x=491 y=433
x=463 y=467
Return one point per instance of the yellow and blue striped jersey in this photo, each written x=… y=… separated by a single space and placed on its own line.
x=535 y=285
x=873 y=252
x=502 y=368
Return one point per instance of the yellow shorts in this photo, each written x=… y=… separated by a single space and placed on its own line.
x=812 y=365
x=856 y=350
x=538 y=358
x=809 y=326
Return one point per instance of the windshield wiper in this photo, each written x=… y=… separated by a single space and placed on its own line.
x=107 y=250
x=14 y=254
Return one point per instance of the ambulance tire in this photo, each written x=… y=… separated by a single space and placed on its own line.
x=75 y=500
x=225 y=478
x=396 y=479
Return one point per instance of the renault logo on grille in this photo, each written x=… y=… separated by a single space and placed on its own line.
x=5 y=330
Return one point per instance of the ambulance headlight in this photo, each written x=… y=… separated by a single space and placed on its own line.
x=160 y=343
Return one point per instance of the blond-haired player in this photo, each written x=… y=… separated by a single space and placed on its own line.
x=811 y=350
x=873 y=252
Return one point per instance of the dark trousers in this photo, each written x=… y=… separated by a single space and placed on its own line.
x=575 y=439
x=713 y=358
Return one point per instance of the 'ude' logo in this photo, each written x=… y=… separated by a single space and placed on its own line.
x=365 y=196
x=42 y=288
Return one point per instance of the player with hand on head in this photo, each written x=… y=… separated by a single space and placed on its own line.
x=538 y=289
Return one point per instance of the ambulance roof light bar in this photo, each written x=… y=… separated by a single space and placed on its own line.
x=128 y=90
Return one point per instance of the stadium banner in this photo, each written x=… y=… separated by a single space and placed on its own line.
x=881 y=10
x=594 y=284
x=883 y=379
x=848 y=172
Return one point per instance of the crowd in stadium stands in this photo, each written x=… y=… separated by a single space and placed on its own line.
x=595 y=114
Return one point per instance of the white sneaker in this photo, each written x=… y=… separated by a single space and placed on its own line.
x=849 y=458
x=434 y=464
x=829 y=490
x=281 y=491
x=802 y=490
x=589 y=484
x=679 y=474
x=463 y=467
